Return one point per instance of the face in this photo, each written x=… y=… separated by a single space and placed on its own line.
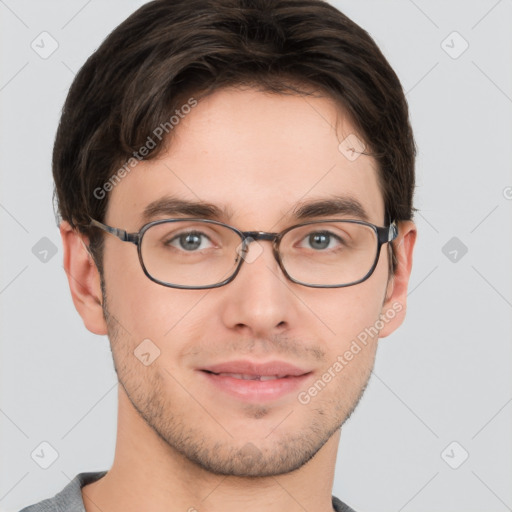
x=257 y=156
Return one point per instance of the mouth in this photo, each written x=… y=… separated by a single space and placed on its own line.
x=255 y=382
x=249 y=377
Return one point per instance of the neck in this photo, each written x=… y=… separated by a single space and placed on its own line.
x=149 y=474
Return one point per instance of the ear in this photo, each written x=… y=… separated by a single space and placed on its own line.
x=395 y=303
x=83 y=278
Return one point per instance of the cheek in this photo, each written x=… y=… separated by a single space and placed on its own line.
x=350 y=315
x=159 y=313
x=143 y=308
x=347 y=312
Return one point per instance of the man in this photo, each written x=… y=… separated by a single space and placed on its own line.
x=199 y=132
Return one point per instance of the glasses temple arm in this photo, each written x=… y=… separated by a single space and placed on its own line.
x=119 y=233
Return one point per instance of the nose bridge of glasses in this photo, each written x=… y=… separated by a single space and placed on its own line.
x=260 y=235
x=251 y=236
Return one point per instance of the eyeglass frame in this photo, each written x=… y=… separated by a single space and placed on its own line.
x=384 y=234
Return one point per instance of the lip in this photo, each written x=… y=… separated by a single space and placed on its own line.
x=290 y=378
x=254 y=368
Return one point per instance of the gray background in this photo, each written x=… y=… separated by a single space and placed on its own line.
x=444 y=377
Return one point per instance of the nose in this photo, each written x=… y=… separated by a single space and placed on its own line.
x=260 y=299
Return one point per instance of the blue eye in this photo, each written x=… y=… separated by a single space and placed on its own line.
x=320 y=240
x=188 y=241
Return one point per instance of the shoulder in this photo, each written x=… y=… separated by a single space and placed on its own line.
x=339 y=506
x=70 y=498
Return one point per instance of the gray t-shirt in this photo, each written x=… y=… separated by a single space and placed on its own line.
x=70 y=498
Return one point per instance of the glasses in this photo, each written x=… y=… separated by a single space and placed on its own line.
x=200 y=253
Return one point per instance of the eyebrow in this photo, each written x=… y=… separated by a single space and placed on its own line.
x=171 y=206
x=335 y=205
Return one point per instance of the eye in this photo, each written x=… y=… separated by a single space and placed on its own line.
x=189 y=241
x=321 y=240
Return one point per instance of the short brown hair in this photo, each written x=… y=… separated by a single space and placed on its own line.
x=169 y=50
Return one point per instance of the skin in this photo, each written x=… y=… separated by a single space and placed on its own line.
x=192 y=446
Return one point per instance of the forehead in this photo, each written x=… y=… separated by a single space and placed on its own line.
x=255 y=155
